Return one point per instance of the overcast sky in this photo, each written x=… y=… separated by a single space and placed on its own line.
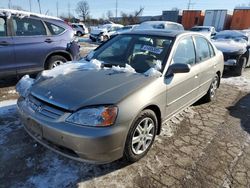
x=100 y=7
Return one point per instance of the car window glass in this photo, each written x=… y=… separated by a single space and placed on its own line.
x=140 y=52
x=55 y=29
x=117 y=49
x=202 y=48
x=185 y=52
x=2 y=27
x=28 y=27
x=172 y=27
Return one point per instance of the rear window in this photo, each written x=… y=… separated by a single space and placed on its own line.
x=2 y=27
x=28 y=27
x=55 y=29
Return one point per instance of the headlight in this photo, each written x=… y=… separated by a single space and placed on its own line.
x=96 y=116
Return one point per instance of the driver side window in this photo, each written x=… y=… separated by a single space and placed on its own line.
x=185 y=52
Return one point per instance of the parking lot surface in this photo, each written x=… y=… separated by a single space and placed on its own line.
x=207 y=145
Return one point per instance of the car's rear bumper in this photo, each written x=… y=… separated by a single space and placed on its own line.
x=91 y=144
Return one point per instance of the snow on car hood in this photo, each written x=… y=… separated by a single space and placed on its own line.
x=89 y=87
x=97 y=31
x=230 y=46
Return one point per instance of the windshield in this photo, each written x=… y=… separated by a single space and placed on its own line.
x=199 y=29
x=140 y=52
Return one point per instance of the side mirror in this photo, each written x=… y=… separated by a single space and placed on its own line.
x=178 y=68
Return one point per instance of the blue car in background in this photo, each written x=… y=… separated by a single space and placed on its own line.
x=30 y=43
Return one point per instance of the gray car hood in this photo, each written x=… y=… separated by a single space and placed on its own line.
x=85 y=88
x=230 y=46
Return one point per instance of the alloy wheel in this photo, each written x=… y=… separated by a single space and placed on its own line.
x=143 y=136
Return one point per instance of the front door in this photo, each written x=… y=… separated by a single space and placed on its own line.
x=182 y=88
x=31 y=44
x=7 y=57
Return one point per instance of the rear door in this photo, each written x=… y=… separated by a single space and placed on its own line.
x=31 y=44
x=205 y=58
x=7 y=58
x=182 y=88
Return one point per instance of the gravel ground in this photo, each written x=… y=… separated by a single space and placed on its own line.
x=207 y=145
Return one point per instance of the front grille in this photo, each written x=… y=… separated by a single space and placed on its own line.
x=44 y=108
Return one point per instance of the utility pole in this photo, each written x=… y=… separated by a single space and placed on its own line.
x=57 y=8
x=189 y=4
x=69 y=10
x=116 y=6
x=39 y=6
x=30 y=4
x=9 y=5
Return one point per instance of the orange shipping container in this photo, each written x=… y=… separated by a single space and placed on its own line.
x=241 y=19
x=191 y=18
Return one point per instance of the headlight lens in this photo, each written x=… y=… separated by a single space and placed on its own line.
x=96 y=116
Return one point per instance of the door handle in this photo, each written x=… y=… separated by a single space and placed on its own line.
x=4 y=43
x=48 y=40
x=196 y=76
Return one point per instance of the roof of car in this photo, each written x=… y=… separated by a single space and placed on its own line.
x=158 y=32
x=8 y=12
x=160 y=22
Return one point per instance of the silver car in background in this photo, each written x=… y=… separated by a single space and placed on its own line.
x=101 y=115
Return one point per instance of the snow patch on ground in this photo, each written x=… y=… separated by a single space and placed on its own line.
x=240 y=82
x=56 y=172
x=12 y=91
x=7 y=107
x=170 y=127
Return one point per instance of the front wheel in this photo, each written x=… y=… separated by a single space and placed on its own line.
x=55 y=61
x=210 y=96
x=141 y=136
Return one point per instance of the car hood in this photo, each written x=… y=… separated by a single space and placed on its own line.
x=97 y=31
x=85 y=88
x=230 y=46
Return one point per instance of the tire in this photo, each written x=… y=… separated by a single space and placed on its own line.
x=143 y=139
x=211 y=93
x=239 y=69
x=55 y=61
x=79 y=34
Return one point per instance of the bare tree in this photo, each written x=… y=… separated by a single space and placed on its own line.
x=17 y=7
x=109 y=14
x=83 y=9
x=132 y=18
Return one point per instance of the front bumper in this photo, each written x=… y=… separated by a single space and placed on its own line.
x=88 y=144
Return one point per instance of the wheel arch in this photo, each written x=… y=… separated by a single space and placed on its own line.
x=64 y=54
x=219 y=75
x=157 y=112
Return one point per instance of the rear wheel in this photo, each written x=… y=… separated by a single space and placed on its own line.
x=239 y=69
x=55 y=61
x=141 y=136
x=210 y=96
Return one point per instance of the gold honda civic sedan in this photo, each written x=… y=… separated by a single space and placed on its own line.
x=112 y=103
